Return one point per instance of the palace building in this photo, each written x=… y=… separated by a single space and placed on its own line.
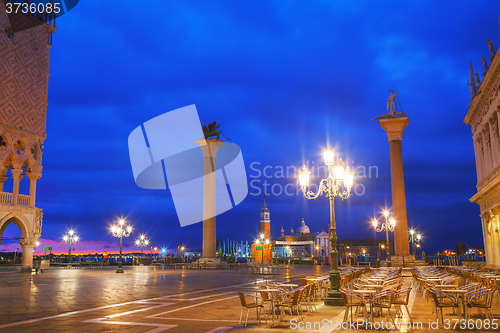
x=25 y=43
x=483 y=116
x=302 y=243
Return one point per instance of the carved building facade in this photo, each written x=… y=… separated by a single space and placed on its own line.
x=483 y=116
x=25 y=44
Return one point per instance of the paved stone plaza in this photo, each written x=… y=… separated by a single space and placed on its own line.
x=148 y=300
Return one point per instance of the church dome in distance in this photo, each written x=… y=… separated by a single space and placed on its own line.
x=303 y=229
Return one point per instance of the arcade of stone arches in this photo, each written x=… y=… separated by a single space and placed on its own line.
x=20 y=155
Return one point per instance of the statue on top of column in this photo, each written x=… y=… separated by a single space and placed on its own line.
x=478 y=81
x=391 y=107
x=211 y=130
x=391 y=102
x=491 y=48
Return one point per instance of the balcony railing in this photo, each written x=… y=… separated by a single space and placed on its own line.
x=5 y=198
x=22 y=199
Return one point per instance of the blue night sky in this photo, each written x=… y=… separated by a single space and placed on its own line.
x=283 y=78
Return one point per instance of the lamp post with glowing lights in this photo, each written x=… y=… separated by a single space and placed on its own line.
x=70 y=238
x=262 y=240
x=142 y=241
x=119 y=231
x=388 y=225
x=151 y=252
x=338 y=175
x=414 y=238
x=179 y=250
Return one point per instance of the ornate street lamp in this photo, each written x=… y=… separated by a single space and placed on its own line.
x=70 y=238
x=179 y=250
x=338 y=175
x=119 y=231
x=263 y=240
x=151 y=253
x=388 y=225
x=414 y=239
x=142 y=241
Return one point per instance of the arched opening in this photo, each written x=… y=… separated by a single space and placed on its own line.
x=9 y=182
x=11 y=226
x=11 y=250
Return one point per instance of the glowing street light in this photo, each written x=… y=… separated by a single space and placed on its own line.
x=151 y=252
x=120 y=231
x=142 y=241
x=414 y=239
x=180 y=249
x=70 y=238
x=264 y=240
x=338 y=176
x=388 y=225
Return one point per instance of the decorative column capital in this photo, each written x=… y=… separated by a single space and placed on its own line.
x=28 y=241
x=3 y=179
x=34 y=175
x=479 y=142
x=486 y=216
x=210 y=147
x=16 y=172
x=394 y=127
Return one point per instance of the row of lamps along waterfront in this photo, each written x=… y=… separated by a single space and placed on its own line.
x=118 y=231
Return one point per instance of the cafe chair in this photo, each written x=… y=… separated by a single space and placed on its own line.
x=248 y=306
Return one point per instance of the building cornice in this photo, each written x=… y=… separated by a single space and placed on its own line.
x=477 y=103
x=21 y=132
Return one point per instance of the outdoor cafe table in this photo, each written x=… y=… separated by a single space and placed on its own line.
x=375 y=286
x=376 y=280
x=273 y=299
x=316 y=281
x=370 y=293
x=457 y=292
x=445 y=286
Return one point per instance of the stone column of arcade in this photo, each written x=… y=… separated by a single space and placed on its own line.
x=17 y=176
x=209 y=147
x=27 y=258
x=394 y=127
x=33 y=177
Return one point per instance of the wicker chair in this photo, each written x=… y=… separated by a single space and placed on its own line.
x=352 y=300
x=247 y=306
x=291 y=303
x=401 y=298
x=443 y=301
x=383 y=300
x=481 y=300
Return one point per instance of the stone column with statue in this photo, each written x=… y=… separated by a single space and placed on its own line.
x=394 y=122
x=210 y=147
